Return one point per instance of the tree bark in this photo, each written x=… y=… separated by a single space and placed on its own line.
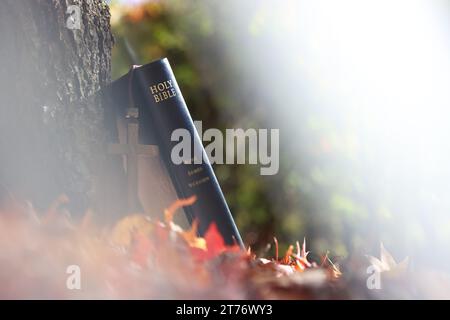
x=52 y=136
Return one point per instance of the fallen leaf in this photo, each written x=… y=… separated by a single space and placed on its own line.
x=125 y=229
x=387 y=262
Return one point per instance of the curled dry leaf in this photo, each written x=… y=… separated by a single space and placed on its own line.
x=387 y=263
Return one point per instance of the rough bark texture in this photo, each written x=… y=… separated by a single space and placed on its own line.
x=51 y=125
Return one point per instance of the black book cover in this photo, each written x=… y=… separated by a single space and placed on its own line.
x=153 y=89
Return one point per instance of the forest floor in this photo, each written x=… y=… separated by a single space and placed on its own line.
x=48 y=256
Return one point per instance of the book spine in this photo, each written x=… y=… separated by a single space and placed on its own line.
x=168 y=111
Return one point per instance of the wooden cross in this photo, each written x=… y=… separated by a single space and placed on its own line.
x=132 y=149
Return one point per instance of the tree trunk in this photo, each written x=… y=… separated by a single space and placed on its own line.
x=52 y=135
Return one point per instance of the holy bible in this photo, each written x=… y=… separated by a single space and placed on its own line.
x=153 y=92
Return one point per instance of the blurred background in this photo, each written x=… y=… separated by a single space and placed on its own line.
x=359 y=91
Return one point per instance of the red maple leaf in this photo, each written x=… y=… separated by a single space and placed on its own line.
x=215 y=245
